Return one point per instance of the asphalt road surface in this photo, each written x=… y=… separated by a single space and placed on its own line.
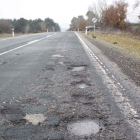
x=59 y=86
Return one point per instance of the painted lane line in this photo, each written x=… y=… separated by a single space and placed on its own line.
x=32 y=41
x=29 y=43
x=13 y=49
x=125 y=104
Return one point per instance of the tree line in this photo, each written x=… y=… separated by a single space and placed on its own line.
x=28 y=26
x=114 y=15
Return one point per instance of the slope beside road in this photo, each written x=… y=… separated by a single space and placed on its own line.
x=54 y=88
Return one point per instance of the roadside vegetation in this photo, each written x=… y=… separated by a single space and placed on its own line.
x=112 y=24
x=24 y=26
x=125 y=41
x=5 y=35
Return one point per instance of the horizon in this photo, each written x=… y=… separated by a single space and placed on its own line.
x=64 y=12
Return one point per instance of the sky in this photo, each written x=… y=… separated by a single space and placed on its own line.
x=61 y=11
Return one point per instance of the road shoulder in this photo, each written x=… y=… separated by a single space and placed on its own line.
x=128 y=65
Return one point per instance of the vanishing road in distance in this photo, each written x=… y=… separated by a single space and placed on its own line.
x=60 y=86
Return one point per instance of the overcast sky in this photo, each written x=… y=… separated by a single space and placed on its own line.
x=62 y=11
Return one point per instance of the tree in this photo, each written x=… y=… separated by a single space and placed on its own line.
x=90 y=16
x=98 y=8
x=136 y=5
x=5 y=26
x=79 y=22
x=25 y=26
x=57 y=27
x=74 y=23
x=19 y=25
x=49 y=24
x=43 y=26
x=115 y=15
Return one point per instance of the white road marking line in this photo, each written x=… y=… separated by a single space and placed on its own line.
x=29 y=43
x=122 y=102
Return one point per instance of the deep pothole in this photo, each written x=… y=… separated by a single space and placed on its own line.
x=84 y=128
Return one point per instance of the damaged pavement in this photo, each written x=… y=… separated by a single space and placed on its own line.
x=66 y=98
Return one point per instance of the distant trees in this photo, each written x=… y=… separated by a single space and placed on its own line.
x=90 y=15
x=107 y=16
x=28 y=26
x=98 y=8
x=76 y=23
x=5 y=26
x=19 y=25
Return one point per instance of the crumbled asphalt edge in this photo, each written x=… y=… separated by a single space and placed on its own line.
x=128 y=65
x=62 y=103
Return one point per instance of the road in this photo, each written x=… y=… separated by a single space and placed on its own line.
x=59 y=86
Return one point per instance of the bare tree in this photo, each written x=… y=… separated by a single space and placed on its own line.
x=136 y=6
x=115 y=15
x=98 y=8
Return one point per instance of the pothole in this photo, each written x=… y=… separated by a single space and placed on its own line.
x=57 y=56
x=49 y=68
x=35 y=119
x=78 y=68
x=83 y=128
x=82 y=85
x=61 y=63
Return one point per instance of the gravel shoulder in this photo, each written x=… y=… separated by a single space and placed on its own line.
x=128 y=65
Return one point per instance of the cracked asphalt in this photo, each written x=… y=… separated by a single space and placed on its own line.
x=56 y=83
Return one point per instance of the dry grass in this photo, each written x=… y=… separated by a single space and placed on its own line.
x=126 y=41
x=3 y=36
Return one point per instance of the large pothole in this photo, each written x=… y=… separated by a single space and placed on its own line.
x=83 y=128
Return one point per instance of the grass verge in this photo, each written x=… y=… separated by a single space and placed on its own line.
x=123 y=41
